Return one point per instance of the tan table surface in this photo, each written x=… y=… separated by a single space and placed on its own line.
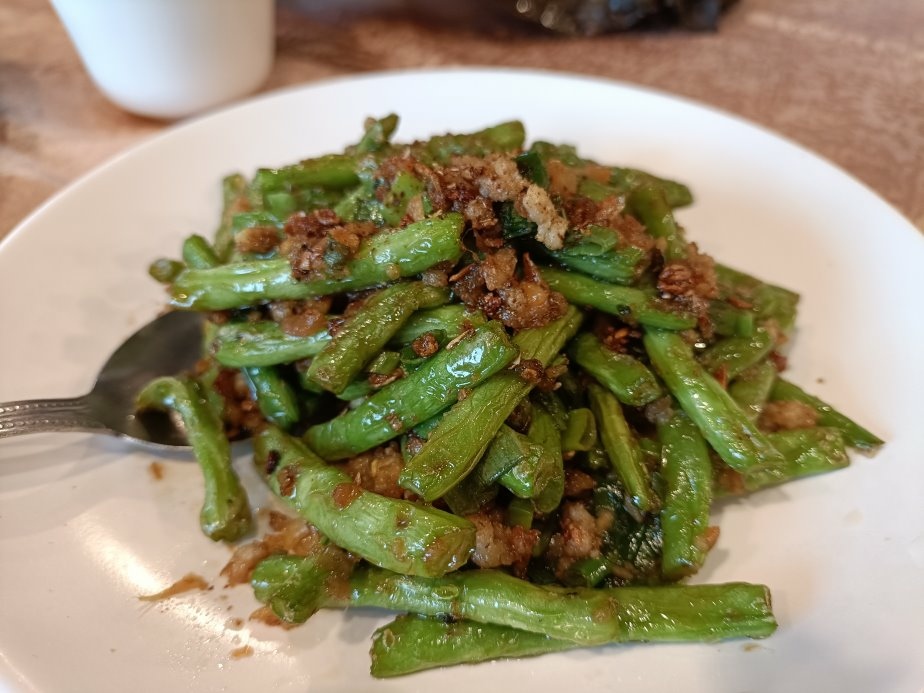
x=844 y=78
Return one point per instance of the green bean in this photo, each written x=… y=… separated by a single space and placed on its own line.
x=587 y=572
x=854 y=435
x=281 y=204
x=378 y=132
x=368 y=331
x=356 y=390
x=384 y=257
x=648 y=203
x=687 y=473
x=623 y=266
x=721 y=421
x=532 y=472
x=464 y=433
x=734 y=355
x=491 y=596
x=391 y=533
x=555 y=407
x=806 y=451
x=729 y=321
x=504 y=137
x=452 y=320
x=487 y=596
x=596 y=460
x=384 y=363
x=291 y=586
x=470 y=496
x=520 y=512
x=233 y=190
x=548 y=482
x=622 y=448
x=275 y=398
x=621 y=180
x=238 y=285
x=564 y=153
x=580 y=434
x=597 y=191
x=752 y=387
x=334 y=171
x=507 y=450
x=687 y=613
x=382 y=205
x=165 y=270
x=207 y=377
x=198 y=254
x=264 y=343
x=767 y=301
x=627 y=303
x=260 y=218
x=225 y=513
x=623 y=375
x=413 y=643
x=596 y=252
x=675 y=194
x=424 y=393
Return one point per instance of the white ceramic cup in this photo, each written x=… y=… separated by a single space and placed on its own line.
x=172 y=58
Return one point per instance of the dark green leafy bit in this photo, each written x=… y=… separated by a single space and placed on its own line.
x=632 y=545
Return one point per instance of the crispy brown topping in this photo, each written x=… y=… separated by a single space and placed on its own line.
x=498 y=268
x=690 y=284
x=378 y=380
x=530 y=370
x=779 y=361
x=319 y=240
x=344 y=494
x=437 y=275
x=286 y=478
x=498 y=544
x=660 y=411
x=425 y=345
x=577 y=483
x=378 y=469
x=563 y=180
x=580 y=536
x=245 y=558
x=257 y=239
x=616 y=338
x=272 y=461
x=785 y=415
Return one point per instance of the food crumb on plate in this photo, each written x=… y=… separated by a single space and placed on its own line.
x=187 y=583
x=157 y=470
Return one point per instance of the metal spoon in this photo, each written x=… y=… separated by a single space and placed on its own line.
x=167 y=345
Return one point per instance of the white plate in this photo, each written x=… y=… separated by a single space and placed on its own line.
x=84 y=528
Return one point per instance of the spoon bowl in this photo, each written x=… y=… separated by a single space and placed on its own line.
x=168 y=345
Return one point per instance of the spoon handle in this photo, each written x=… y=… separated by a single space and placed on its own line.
x=46 y=415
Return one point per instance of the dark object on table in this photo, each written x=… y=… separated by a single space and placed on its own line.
x=591 y=17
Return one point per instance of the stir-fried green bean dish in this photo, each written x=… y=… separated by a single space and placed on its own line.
x=496 y=387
